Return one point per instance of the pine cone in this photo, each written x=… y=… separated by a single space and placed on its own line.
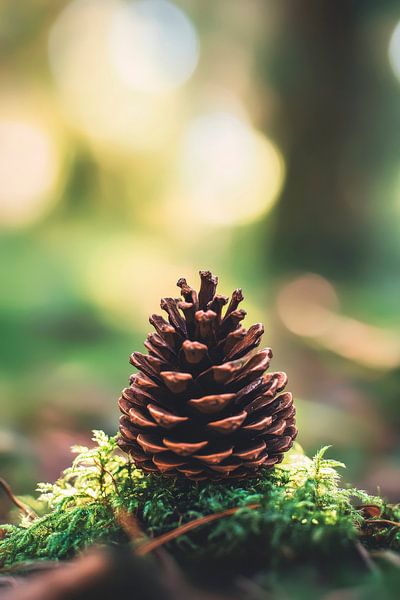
x=201 y=405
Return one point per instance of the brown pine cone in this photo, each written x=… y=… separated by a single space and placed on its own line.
x=200 y=405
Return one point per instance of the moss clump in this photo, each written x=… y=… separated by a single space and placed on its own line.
x=302 y=511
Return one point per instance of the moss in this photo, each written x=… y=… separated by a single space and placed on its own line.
x=303 y=512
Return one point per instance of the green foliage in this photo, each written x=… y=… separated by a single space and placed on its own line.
x=95 y=476
x=302 y=511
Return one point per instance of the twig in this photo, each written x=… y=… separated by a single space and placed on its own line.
x=171 y=535
x=130 y=524
x=107 y=472
x=365 y=556
x=23 y=507
x=388 y=555
x=171 y=574
x=30 y=566
x=382 y=522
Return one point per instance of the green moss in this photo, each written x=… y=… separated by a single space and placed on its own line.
x=303 y=511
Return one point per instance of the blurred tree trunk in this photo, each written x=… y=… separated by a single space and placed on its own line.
x=333 y=127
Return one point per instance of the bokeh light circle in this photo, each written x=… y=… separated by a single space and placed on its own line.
x=230 y=173
x=28 y=171
x=95 y=98
x=154 y=46
x=394 y=51
x=307 y=305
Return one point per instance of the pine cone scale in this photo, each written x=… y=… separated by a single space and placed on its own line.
x=212 y=404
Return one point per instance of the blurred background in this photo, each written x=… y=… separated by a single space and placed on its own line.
x=143 y=140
